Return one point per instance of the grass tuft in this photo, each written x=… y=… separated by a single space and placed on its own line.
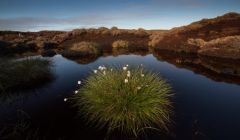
x=126 y=100
x=23 y=74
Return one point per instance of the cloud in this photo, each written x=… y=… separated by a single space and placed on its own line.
x=44 y=23
x=141 y=13
x=130 y=11
x=178 y=3
x=31 y=23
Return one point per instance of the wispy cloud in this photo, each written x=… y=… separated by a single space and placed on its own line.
x=30 y=16
x=38 y=23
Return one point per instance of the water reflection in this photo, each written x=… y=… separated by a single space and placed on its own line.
x=215 y=69
x=127 y=51
x=203 y=107
x=83 y=60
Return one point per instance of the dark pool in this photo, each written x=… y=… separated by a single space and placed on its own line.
x=206 y=97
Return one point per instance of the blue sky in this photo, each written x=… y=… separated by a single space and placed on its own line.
x=34 y=15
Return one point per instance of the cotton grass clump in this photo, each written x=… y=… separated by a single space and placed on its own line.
x=124 y=99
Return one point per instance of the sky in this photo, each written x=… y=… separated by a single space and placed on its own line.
x=35 y=15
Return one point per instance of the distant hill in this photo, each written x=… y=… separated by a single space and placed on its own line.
x=218 y=37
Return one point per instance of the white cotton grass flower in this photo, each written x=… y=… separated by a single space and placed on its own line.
x=124 y=68
x=95 y=71
x=102 y=68
x=142 y=75
x=127 y=65
x=138 y=87
x=65 y=99
x=111 y=69
x=128 y=73
x=104 y=72
x=126 y=81
x=79 y=82
x=76 y=92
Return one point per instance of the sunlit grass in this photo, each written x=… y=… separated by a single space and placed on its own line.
x=129 y=100
x=23 y=74
x=83 y=49
x=120 y=44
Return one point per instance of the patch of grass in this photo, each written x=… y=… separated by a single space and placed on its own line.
x=86 y=48
x=131 y=101
x=120 y=44
x=83 y=49
x=23 y=74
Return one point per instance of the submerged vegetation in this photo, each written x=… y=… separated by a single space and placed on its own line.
x=128 y=100
x=23 y=74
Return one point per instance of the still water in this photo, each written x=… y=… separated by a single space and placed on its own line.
x=206 y=101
